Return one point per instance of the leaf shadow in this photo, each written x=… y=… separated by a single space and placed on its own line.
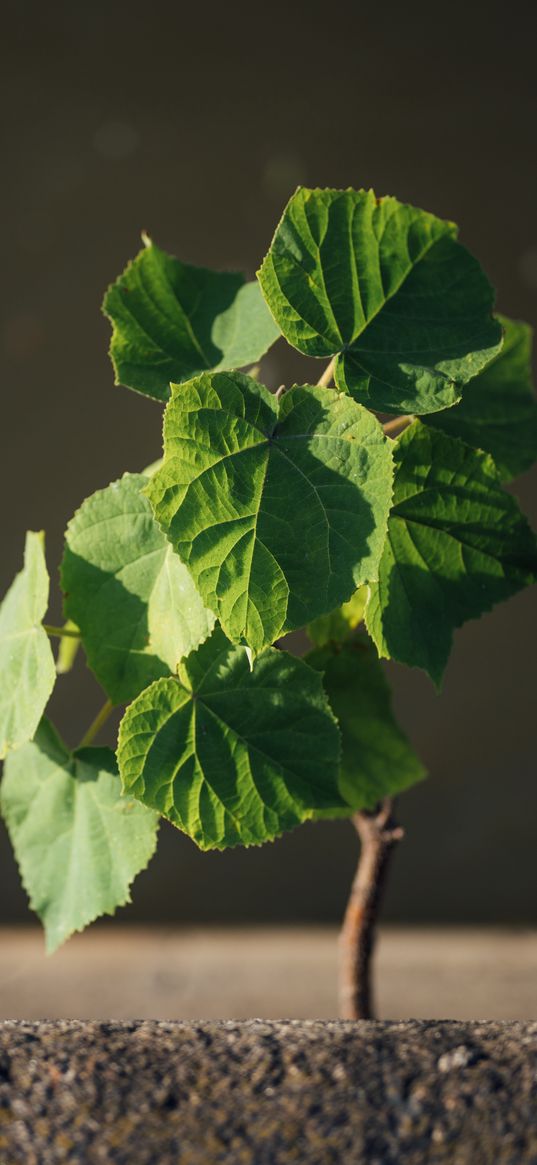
x=213 y=295
x=318 y=521
x=114 y=628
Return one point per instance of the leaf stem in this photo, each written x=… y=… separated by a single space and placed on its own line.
x=379 y=834
x=328 y=375
x=398 y=423
x=97 y=724
x=61 y=632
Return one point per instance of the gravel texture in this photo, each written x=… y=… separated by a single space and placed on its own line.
x=156 y=1093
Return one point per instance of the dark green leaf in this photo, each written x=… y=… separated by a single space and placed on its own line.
x=457 y=544
x=278 y=510
x=171 y=320
x=498 y=412
x=388 y=289
x=377 y=760
x=229 y=755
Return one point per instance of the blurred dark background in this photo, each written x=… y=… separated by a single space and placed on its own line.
x=196 y=122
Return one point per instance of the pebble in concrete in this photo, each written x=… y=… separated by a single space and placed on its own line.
x=268 y=1093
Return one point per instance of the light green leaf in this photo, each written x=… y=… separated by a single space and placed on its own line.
x=388 y=289
x=377 y=760
x=279 y=510
x=78 y=842
x=232 y=755
x=27 y=668
x=457 y=544
x=67 y=649
x=498 y=412
x=339 y=624
x=171 y=320
x=131 y=596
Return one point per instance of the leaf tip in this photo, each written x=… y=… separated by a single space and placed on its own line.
x=53 y=942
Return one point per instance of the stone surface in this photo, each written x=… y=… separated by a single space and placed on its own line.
x=260 y=1093
x=114 y=972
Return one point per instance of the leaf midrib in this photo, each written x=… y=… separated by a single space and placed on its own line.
x=158 y=342
x=388 y=297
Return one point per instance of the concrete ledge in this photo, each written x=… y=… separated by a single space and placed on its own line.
x=115 y=972
x=157 y=1093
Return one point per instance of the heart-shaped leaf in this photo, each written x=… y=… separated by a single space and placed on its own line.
x=171 y=320
x=133 y=600
x=78 y=841
x=27 y=669
x=498 y=412
x=388 y=289
x=376 y=760
x=457 y=544
x=278 y=509
x=232 y=755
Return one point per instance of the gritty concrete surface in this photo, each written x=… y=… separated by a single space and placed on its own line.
x=268 y=1093
x=122 y=972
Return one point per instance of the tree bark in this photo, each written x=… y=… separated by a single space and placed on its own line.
x=379 y=834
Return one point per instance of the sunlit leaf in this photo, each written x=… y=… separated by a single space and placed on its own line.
x=387 y=289
x=457 y=544
x=232 y=754
x=279 y=509
x=132 y=598
x=172 y=320
x=78 y=841
x=27 y=668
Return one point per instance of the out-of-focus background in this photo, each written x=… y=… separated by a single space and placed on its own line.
x=196 y=122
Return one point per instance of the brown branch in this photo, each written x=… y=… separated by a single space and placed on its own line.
x=398 y=423
x=327 y=376
x=378 y=835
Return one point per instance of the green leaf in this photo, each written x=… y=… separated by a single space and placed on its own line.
x=171 y=320
x=78 y=842
x=27 y=668
x=232 y=755
x=279 y=510
x=457 y=544
x=339 y=624
x=498 y=412
x=131 y=596
x=388 y=289
x=377 y=760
